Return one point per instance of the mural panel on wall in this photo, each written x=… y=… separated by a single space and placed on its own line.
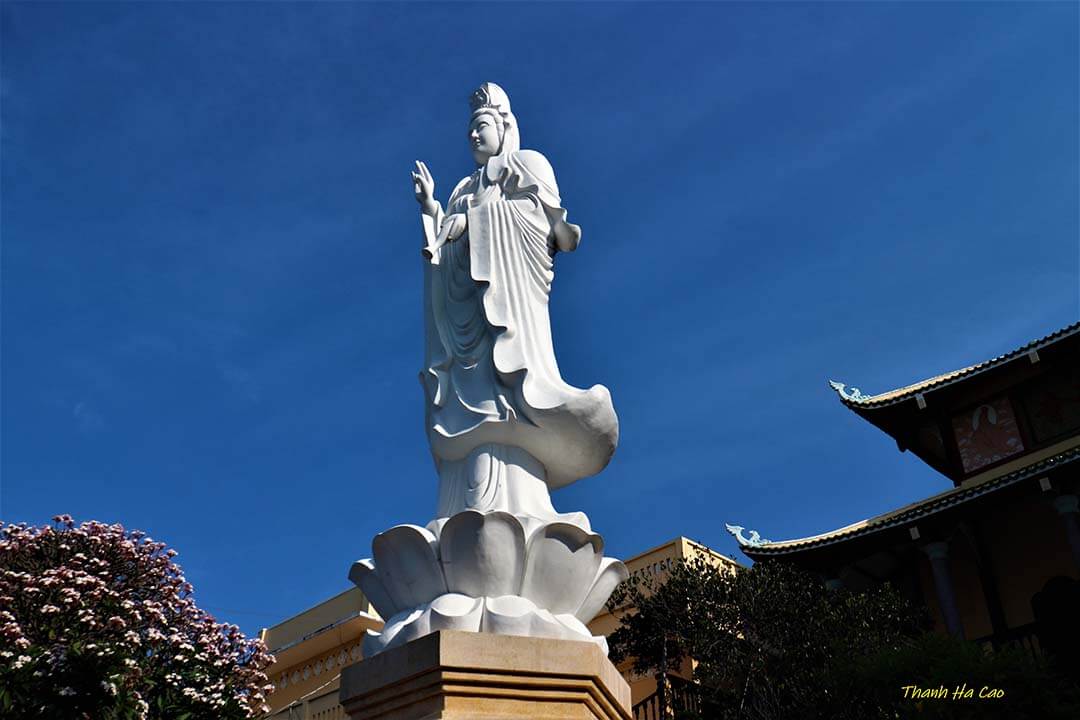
x=987 y=434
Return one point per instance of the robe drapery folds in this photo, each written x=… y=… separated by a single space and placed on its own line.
x=491 y=374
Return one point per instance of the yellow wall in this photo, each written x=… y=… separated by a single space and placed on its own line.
x=311 y=648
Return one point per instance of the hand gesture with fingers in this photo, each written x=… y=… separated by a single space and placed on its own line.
x=424 y=187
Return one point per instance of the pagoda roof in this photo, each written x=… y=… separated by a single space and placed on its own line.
x=759 y=549
x=854 y=398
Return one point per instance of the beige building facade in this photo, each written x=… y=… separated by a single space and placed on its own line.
x=310 y=649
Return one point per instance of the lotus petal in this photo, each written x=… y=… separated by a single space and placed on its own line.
x=530 y=524
x=602 y=642
x=581 y=632
x=373 y=643
x=406 y=563
x=364 y=576
x=577 y=628
x=456 y=612
x=377 y=642
x=483 y=554
x=576 y=518
x=508 y=615
x=611 y=573
x=544 y=624
x=416 y=624
x=435 y=527
x=562 y=564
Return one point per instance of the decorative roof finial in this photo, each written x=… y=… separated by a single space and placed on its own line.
x=755 y=540
x=853 y=395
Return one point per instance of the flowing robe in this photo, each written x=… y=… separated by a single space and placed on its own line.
x=498 y=411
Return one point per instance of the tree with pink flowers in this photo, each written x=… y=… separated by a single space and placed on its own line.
x=98 y=623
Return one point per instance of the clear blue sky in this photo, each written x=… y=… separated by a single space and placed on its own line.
x=211 y=275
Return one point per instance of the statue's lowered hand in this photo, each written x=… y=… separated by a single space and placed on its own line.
x=453 y=227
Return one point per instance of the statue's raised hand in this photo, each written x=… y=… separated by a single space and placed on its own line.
x=424 y=187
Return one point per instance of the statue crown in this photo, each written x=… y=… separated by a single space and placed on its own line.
x=490 y=95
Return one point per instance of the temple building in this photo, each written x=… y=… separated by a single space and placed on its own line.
x=311 y=648
x=994 y=558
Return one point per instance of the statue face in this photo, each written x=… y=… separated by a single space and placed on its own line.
x=483 y=137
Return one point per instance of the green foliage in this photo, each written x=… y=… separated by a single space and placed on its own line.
x=771 y=642
x=1029 y=688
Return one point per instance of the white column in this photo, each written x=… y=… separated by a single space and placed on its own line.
x=938 y=552
x=1068 y=507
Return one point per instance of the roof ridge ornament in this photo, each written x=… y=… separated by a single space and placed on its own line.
x=891 y=397
x=910 y=515
x=853 y=395
x=755 y=539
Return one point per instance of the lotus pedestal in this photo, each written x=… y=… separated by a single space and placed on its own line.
x=453 y=675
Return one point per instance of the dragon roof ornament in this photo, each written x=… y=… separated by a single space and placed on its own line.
x=755 y=539
x=852 y=395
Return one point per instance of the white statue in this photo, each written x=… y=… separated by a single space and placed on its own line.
x=502 y=425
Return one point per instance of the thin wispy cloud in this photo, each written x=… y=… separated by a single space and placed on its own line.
x=87 y=419
x=212 y=277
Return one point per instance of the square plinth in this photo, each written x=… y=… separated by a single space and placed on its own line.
x=452 y=675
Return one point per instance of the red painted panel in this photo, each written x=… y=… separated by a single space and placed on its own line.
x=987 y=434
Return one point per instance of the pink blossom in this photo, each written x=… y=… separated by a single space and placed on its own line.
x=154 y=631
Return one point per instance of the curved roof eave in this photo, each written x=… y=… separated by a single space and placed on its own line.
x=909 y=513
x=855 y=399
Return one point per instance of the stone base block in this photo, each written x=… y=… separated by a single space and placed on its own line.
x=452 y=675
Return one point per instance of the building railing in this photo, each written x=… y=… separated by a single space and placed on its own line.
x=1023 y=637
x=315 y=707
x=682 y=696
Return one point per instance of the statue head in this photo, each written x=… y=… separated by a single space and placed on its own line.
x=493 y=128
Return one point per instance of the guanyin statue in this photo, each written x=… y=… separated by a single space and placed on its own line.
x=502 y=424
x=503 y=427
